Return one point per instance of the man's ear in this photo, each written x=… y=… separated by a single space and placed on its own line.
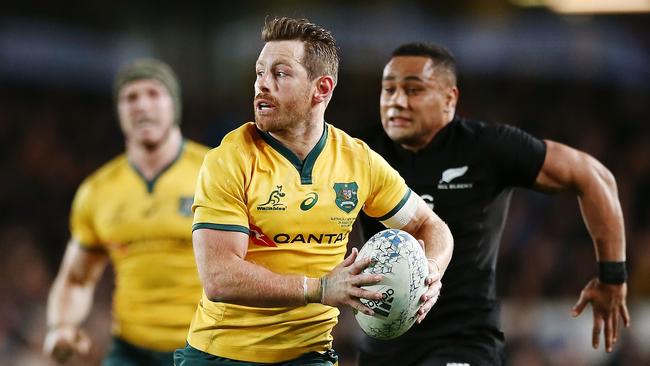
x=324 y=88
x=451 y=100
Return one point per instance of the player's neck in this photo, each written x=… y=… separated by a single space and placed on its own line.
x=150 y=160
x=424 y=140
x=302 y=138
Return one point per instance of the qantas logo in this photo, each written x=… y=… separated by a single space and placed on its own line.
x=258 y=237
x=452 y=173
x=334 y=238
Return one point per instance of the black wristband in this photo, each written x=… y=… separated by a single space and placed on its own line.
x=613 y=273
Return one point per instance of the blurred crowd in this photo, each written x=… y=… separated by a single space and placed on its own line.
x=52 y=138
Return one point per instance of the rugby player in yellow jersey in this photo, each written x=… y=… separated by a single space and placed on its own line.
x=135 y=212
x=273 y=208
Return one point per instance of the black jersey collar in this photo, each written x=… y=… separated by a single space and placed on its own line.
x=437 y=139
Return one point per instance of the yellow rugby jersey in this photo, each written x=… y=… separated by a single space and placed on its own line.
x=298 y=215
x=145 y=227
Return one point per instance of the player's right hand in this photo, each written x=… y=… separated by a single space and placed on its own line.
x=342 y=286
x=608 y=305
x=62 y=342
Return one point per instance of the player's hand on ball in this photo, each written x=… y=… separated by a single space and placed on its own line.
x=342 y=286
x=430 y=297
x=62 y=342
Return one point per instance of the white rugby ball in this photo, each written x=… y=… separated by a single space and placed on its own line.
x=399 y=257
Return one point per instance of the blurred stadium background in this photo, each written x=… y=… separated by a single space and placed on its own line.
x=580 y=78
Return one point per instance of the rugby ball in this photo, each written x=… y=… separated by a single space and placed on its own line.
x=399 y=257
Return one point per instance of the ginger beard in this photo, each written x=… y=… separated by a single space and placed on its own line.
x=277 y=115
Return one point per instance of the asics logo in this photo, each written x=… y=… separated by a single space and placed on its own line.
x=309 y=202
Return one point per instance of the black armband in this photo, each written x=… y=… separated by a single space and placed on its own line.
x=613 y=273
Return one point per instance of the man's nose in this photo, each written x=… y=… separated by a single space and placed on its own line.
x=262 y=82
x=399 y=98
x=141 y=103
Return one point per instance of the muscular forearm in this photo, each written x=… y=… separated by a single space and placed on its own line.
x=68 y=303
x=438 y=242
x=601 y=211
x=228 y=277
x=71 y=296
x=569 y=170
x=241 y=282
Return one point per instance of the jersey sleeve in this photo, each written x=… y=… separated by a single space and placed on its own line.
x=516 y=155
x=82 y=226
x=219 y=201
x=388 y=191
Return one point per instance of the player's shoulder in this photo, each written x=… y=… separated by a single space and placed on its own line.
x=242 y=136
x=193 y=154
x=195 y=149
x=344 y=140
x=483 y=131
x=479 y=126
x=374 y=136
x=470 y=126
x=237 y=143
x=110 y=169
x=247 y=132
x=105 y=175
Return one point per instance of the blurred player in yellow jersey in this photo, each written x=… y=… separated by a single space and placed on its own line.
x=274 y=206
x=135 y=211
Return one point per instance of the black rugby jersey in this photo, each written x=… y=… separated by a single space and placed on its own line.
x=466 y=174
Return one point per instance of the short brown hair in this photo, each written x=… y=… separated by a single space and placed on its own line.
x=321 y=53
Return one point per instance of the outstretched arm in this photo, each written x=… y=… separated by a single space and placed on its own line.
x=228 y=277
x=70 y=301
x=568 y=169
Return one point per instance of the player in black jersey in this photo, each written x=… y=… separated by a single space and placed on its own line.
x=466 y=170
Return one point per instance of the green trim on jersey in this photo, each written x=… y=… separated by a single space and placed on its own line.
x=151 y=183
x=91 y=248
x=397 y=208
x=124 y=353
x=205 y=225
x=304 y=168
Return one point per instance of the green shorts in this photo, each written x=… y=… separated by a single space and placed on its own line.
x=126 y=354
x=190 y=356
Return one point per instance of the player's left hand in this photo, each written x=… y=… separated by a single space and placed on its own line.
x=608 y=303
x=430 y=297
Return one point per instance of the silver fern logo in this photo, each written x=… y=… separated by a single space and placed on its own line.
x=452 y=173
